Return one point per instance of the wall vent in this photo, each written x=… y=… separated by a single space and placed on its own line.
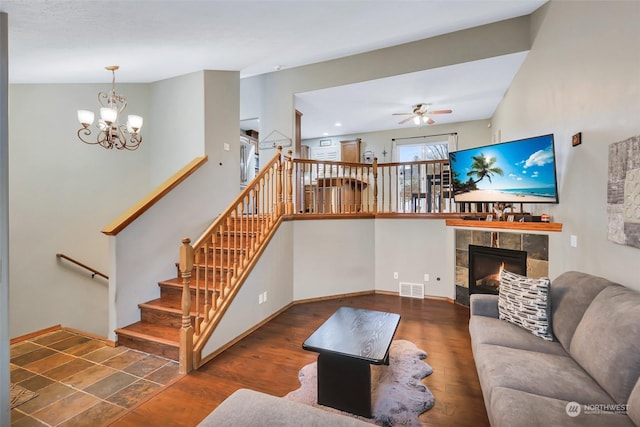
x=412 y=290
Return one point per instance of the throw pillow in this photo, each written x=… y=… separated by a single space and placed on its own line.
x=525 y=301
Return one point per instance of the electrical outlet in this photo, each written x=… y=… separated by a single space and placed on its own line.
x=260 y=299
x=227 y=147
x=574 y=241
x=395 y=274
x=426 y=277
x=264 y=299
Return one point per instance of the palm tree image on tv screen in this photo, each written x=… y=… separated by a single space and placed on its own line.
x=521 y=171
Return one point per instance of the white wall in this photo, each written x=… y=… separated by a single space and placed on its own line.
x=222 y=126
x=175 y=128
x=413 y=248
x=582 y=75
x=62 y=193
x=332 y=257
x=5 y=375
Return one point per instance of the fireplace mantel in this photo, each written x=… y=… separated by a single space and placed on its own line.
x=506 y=225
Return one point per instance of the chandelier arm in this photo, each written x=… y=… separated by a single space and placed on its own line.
x=103 y=139
x=102 y=97
x=86 y=132
x=123 y=101
x=136 y=140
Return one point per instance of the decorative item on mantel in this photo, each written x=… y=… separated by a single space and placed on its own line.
x=111 y=134
x=500 y=208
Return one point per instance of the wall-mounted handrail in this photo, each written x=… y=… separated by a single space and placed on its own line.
x=93 y=271
x=150 y=199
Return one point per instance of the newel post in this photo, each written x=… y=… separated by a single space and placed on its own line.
x=289 y=207
x=279 y=179
x=375 y=185
x=186 y=331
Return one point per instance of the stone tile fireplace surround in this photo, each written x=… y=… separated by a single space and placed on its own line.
x=536 y=246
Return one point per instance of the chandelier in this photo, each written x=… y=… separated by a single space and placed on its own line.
x=111 y=134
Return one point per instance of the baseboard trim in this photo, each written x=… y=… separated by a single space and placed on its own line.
x=332 y=297
x=54 y=328
x=104 y=339
x=433 y=297
x=35 y=334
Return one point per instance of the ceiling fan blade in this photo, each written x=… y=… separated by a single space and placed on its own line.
x=400 y=114
x=430 y=121
x=407 y=119
x=440 y=112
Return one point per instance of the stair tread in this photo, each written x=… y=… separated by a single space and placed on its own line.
x=153 y=332
x=177 y=282
x=165 y=304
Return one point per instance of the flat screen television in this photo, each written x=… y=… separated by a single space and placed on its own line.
x=522 y=171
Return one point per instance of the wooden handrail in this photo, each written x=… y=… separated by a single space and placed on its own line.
x=152 y=198
x=215 y=266
x=86 y=267
x=244 y=193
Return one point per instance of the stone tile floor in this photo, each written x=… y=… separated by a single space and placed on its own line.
x=81 y=381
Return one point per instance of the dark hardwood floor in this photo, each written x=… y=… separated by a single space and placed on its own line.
x=269 y=359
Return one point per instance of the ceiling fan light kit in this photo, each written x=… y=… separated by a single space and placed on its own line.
x=421 y=112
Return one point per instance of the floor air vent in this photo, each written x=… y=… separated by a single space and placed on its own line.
x=412 y=290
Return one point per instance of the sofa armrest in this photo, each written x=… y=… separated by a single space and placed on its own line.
x=252 y=408
x=484 y=305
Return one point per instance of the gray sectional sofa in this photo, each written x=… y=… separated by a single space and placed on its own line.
x=587 y=376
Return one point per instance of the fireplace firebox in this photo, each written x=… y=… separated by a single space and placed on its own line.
x=485 y=264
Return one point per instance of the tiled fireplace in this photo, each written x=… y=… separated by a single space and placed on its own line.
x=536 y=247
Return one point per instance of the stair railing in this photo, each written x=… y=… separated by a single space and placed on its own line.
x=213 y=268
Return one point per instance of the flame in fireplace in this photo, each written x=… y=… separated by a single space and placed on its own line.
x=491 y=281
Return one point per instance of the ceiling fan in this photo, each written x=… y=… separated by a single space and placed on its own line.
x=421 y=113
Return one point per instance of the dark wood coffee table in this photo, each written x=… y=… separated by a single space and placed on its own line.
x=348 y=343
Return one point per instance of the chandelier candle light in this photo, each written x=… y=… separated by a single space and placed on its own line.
x=111 y=134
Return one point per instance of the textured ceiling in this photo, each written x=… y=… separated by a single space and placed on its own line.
x=71 y=41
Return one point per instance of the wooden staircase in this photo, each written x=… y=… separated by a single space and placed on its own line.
x=158 y=331
x=179 y=323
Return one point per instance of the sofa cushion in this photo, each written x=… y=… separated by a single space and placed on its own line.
x=511 y=407
x=525 y=301
x=484 y=305
x=251 y=408
x=571 y=294
x=548 y=375
x=607 y=341
x=488 y=330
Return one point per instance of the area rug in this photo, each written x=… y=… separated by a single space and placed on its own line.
x=398 y=395
x=20 y=395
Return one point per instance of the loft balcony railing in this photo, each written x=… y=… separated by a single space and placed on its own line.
x=340 y=188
